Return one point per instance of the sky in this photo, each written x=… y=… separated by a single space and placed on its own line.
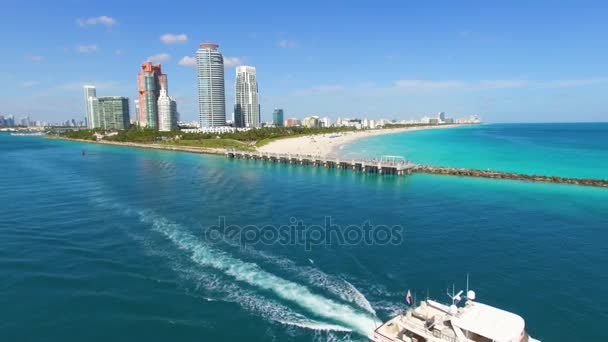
x=507 y=61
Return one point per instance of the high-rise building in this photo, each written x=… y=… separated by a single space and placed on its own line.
x=150 y=81
x=292 y=122
x=167 y=112
x=441 y=117
x=136 y=108
x=112 y=112
x=325 y=122
x=277 y=117
x=89 y=94
x=311 y=122
x=246 y=104
x=211 y=97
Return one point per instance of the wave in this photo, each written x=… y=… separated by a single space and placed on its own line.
x=253 y=275
x=313 y=276
x=215 y=288
x=335 y=285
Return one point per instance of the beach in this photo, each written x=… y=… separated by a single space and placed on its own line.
x=328 y=145
x=324 y=145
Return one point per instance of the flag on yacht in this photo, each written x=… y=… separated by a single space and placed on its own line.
x=408 y=297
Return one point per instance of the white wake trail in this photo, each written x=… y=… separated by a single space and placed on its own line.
x=268 y=309
x=253 y=275
x=335 y=285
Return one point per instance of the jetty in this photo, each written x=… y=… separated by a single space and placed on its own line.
x=387 y=165
x=399 y=166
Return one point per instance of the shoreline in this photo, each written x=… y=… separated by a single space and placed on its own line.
x=150 y=146
x=328 y=145
x=428 y=169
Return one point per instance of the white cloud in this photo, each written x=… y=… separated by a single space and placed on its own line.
x=230 y=62
x=119 y=52
x=101 y=20
x=501 y=84
x=87 y=48
x=575 y=83
x=420 y=85
x=75 y=86
x=321 y=89
x=35 y=58
x=438 y=85
x=169 y=38
x=428 y=85
x=29 y=84
x=187 y=61
x=161 y=57
x=286 y=44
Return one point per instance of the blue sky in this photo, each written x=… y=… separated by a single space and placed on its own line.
x=509 y=61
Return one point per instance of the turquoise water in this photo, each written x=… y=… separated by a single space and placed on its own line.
x=566 y=150
x=112 y=246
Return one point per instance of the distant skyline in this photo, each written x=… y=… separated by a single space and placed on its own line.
x=536 y=61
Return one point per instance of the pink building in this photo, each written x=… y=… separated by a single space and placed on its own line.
x=150 y=81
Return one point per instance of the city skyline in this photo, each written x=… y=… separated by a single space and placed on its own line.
x=463 y=60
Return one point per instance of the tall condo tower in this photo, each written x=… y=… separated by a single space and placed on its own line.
x=112 y=112
x=246 y=104
x=89 y=94
x=277 y=117
x=167 y=112
x=150 y=80
x=210 y=74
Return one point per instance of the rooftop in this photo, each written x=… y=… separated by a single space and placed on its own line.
x=490 y=322
x=209 y=45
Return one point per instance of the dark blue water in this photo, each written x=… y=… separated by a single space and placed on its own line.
x=112 y=246
x=577 y=150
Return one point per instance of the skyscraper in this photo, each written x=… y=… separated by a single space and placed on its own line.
x=90 y=93
x=210 y=74
x=112 y=112
x=277 y=117
x=246 y=104
x=167 y=112
x=150 y=81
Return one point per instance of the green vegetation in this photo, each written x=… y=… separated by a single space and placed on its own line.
x=247 y=140
x=211 y=143
x=142 y=135
x=264 y=134
x=83 y=134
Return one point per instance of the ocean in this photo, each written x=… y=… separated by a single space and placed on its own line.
x=578 y=150
x=127 y=244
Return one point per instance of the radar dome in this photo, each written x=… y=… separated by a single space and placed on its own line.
x=471 y=295
x=453 y=309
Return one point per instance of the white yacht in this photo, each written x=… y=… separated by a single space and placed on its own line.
x=435 y=322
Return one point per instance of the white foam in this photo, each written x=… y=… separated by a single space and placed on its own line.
x=220 y=290
x=253 y=275
x=335 y=285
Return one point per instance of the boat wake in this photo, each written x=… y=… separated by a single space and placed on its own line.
x=313 y=276
x=340 y=315
x=327 y=316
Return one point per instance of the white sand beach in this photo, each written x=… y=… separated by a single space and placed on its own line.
x=328 y=144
